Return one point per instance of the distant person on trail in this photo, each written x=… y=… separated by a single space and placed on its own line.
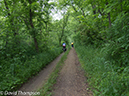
x=72 y=44
x=64 y=46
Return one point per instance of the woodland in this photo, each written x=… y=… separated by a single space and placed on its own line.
x=30 y=38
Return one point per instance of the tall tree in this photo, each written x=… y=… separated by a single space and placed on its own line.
x=64 y=24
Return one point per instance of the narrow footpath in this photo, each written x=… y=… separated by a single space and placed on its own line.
x=38 y=81
x=71 y=80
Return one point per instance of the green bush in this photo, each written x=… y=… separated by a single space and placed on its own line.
x=118 y=47
x=102 y=74
x=14 y=74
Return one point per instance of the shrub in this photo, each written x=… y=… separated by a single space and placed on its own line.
x=102 y=74
x=15 y=73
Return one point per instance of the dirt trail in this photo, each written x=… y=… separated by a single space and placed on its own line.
x=71 y=80
x=37 y=82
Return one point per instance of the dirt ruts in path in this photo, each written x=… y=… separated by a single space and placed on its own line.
x=37 y=82
x=71 y=80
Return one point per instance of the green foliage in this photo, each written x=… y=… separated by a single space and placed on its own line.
x=118 y=50
x=11 y=77
x=101 y=74
x=106 y=61
x=27 y=31
x=27 y=41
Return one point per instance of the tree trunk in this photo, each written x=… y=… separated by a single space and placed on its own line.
x=46 y=27
x=93 y=7
x=59 y=41
x=36 y=43
x=32 y=26
x=109 y=19
x=76 y=12
x=121 y=5
x=65 y=20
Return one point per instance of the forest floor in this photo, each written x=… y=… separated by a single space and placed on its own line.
x=70 y=82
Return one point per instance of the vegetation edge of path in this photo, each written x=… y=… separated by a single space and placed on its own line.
x=47 y=88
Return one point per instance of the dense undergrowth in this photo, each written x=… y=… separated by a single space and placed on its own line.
x=106 y=78
x=19 y=69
